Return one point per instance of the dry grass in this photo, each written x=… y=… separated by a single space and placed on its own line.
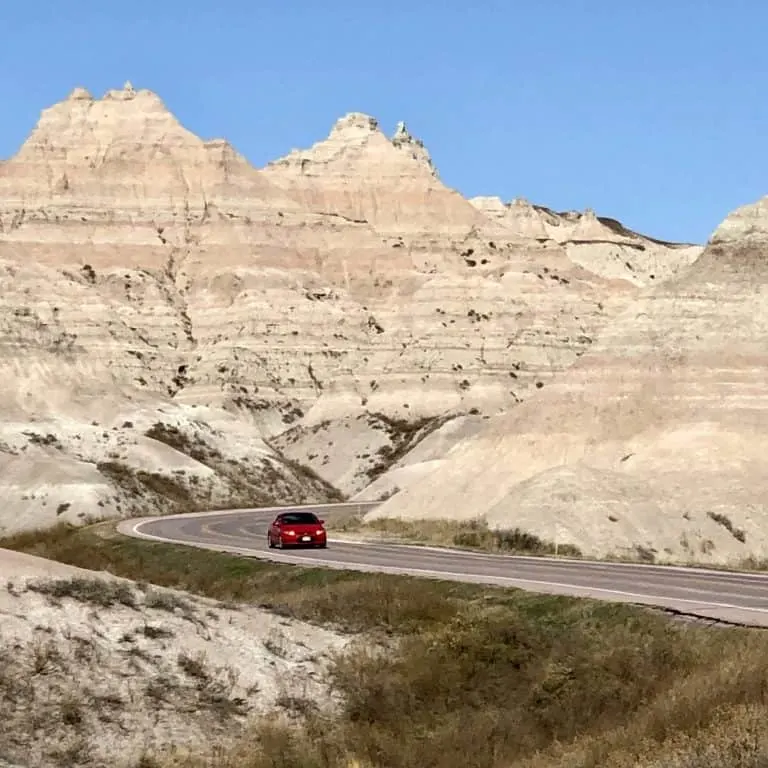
x=536 y=688
x=476 y=535
x=464 y=534
x=350 y=601
x=474 y=677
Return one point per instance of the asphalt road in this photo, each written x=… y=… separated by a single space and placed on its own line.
x=740 y=598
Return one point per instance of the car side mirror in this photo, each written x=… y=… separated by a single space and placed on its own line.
x=322 y=522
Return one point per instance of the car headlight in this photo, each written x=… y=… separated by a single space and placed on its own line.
x=290 y=533
x=319 y=533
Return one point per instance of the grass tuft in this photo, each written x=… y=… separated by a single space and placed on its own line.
x=99 y=592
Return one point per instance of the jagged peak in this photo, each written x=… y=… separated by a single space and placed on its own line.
x=402 y=139
x=356 y=131
x=80 y=125
x=80 y=102
x=80 y=94
x=401 y=132
x=403 y=136
x=128 y=93
x=357 y=123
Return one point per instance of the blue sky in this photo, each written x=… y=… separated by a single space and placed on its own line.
x=653 y=112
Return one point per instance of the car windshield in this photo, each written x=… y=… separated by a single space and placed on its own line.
x=299 y=518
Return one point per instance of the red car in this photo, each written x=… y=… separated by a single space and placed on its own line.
x=297 y=529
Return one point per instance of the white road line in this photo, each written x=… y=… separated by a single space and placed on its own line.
x=713 y=591
x=447 y=575
x=689 y=570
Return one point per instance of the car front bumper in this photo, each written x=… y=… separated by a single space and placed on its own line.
x=304 y=541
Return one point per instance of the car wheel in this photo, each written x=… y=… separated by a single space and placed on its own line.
x=270 y=543
x=279 y=542
x=324 y=545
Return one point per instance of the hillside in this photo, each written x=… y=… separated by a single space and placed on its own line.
x=183 y=330
x=652 y=444
x=97 y=671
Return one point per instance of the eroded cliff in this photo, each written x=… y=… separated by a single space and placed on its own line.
x=181 y=329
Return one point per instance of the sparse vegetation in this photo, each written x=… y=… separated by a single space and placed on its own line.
x=389 y=494
x=99 y=592
x=350 y=601
x=645 y=554
x=46 y=441
x=450 y=675
x=164 y=490
x=312 y=479
x=193 y=446
x=167 y=601
x=267 y=482
x=152 y=632
x=88 y=273
x=193 y=666
x=58 y=706
x=727 y=523
x=403 y=435
x=472 y=534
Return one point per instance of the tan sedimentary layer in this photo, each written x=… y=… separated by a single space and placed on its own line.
x=654 y=439
x=148 y=271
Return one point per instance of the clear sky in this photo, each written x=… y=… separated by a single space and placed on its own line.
x=653 y=112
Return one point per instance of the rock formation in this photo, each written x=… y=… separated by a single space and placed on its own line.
x=180 y=328
x=598 y=243
x=652 y=444
x=746 y=225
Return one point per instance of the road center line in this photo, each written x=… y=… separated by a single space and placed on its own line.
x=660 y=600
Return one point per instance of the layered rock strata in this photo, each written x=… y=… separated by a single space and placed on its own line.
x=150 y=276
x=652 y=444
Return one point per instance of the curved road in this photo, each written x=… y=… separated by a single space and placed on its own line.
x=740 y=598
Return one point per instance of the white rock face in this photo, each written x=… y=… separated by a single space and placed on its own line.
x=156 y=279
x=145 y=672
x=746 y=224
x=598 y=243
x=351 y=171
x=653 y=442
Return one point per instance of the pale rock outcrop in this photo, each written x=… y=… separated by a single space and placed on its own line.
x=150 y=276
x=227 y=284
x=430 y=452
x=652 y=444
x=137 y=457
x=747 y=224
x=402 y=139
x=598 y=243
x=391 y=184
x=103 y=671
x=364 y=455
x=120 y=171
